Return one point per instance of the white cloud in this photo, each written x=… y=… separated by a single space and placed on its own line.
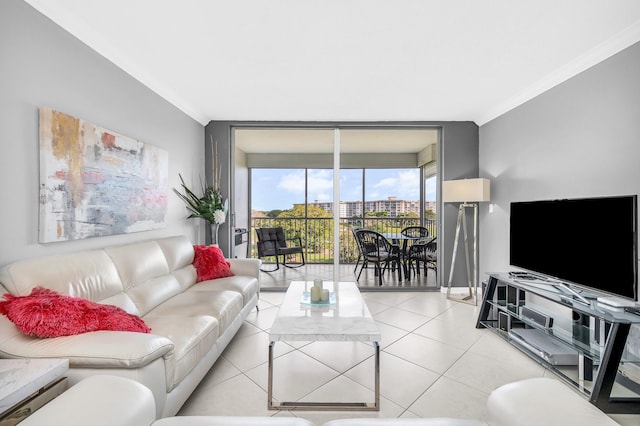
x=409 y=184
x=320 y=187
x=403 y=184
x=320 y=184
x=293 y=182
x=386 y=183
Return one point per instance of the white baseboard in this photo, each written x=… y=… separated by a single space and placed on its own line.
x=460 y=290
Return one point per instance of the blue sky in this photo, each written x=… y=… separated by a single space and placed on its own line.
x=279 y=189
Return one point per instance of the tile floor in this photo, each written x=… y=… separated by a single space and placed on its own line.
x=434 y=362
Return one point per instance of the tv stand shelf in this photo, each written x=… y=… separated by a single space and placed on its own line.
x=567 y=332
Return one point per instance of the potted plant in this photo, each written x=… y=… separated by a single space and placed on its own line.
x=211 y=206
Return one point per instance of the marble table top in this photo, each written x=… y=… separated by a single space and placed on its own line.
x=20 y=378
x=346 y=320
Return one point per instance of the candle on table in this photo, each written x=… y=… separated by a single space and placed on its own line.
x=324 y=297
x=316 y=294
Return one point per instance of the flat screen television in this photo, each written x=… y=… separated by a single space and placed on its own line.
x=587 y=242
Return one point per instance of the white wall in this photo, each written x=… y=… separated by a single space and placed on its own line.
x=579 y=139
x=42 y=65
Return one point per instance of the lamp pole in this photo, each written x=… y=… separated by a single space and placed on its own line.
x=472 y=279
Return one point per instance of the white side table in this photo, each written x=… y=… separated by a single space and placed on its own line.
x=28 y=384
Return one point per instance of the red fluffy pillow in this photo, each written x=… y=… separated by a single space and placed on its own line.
x=46 y=313
x=210 y=263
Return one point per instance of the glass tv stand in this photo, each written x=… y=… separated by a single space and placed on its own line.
x=567 y=331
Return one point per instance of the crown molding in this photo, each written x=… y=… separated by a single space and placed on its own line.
x=601 y=52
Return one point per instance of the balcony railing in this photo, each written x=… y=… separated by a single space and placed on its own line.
x=317 y=234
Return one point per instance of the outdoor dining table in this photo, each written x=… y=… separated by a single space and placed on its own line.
x=396 y=238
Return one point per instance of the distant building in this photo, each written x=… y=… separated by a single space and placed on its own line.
x=391 y=205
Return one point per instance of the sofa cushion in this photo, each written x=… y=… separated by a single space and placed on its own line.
x=89 y=274
x=225 y=306
x=248 y=287
x=192 y=338
x=210 y=263
x=145 y=274
x=46 y=313
x=178 y=251
x=139 y=262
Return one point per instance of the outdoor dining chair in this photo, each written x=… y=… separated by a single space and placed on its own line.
x=377 y=250
x=360 y=251
x=421 y=255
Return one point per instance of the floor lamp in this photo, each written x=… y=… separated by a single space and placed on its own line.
x=467 y=192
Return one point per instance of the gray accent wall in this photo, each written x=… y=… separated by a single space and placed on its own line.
x=43 y=65
x=579 y=139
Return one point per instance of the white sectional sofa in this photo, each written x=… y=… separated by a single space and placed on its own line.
x=116 y=401
x=191 y=323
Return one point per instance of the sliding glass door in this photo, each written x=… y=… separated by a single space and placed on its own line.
x=380 y=182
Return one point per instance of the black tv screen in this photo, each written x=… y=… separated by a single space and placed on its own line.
x=588 y=242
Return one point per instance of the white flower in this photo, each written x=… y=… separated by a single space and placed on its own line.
x=219 y=216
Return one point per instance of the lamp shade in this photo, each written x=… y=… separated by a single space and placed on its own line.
x=466 y=190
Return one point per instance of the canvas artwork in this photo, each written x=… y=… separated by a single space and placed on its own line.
x=95 y=182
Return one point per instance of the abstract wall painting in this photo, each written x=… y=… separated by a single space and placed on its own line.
x=95 y=182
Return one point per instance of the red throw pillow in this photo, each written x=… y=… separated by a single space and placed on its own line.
x=46 y=313
x=210 y=263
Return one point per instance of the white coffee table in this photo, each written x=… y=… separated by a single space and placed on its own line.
x=346 y=320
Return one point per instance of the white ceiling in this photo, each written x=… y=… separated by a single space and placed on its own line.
x=350 y=60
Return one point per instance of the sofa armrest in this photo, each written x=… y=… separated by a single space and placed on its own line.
x=542 y=401
x=98 y=401
x=104 y=349
x=249 y=267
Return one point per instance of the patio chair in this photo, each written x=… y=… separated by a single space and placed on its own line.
x=415 y=232
x=412 y=235
x=378 y=250
x=273 y=243
x=354 y=230
x=421 y=254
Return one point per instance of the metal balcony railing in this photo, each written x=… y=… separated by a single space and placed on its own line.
x=317 y=234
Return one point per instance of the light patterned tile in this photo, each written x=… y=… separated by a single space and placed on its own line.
x=400 y=381
x=400 y=318
x=390 y=334
x=246 y=329
x=448 y=398
x=295 y=375
x=388 y=298
x=340 y=356
x=462 y=337
x=222 y=370
x=486 y=374
x=237 y=396
x=428 y=353
x=263 y=318
x=426 y=304
x=273 y=298
x=250 y=351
